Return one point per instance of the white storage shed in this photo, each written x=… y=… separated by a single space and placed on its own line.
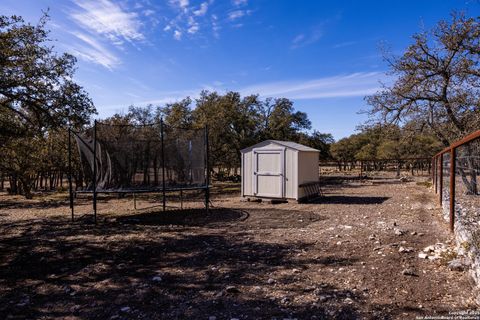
x=278 y=170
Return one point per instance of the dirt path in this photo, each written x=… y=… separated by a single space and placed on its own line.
x=338 y=258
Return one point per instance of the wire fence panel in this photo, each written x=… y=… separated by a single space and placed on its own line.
x=467 y=196
x=446 y=185
x=457 y=182
x=402 y=166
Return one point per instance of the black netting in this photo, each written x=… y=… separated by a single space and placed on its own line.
x=136 y=158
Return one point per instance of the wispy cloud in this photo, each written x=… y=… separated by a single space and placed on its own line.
x=177 y=35
x=148 y=12
x=192 y=18
x=91 y=50
x=298 y=38
x=237 y=14
x=302 y=39
x=215 y=26
x=340 y=86
x=108 y=19
x=344 y=44
x=350 y=85
x=180 y=3
x=239 y=3
x=202 y=10
x=193 y=25
x=186 y=20
x=315 y=33
x=193 y=28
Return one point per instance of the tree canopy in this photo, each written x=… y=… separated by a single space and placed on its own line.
x=392 y=142
x=37 y=92
x=437 y=81
x=37 y=97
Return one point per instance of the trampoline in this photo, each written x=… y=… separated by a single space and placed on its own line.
x=136 y=159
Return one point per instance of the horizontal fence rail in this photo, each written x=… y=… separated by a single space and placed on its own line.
x=455 y=176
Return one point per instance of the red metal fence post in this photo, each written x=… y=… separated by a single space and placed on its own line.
x=432 y=165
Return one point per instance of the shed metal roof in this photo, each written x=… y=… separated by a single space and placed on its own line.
x=288 y=144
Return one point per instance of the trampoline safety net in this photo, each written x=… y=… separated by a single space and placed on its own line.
x=142 y=158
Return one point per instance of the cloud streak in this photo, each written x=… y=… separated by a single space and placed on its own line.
x=91 y=50
x=344 y=44
x=350 y=85
x=237 y=14
x=302 y=40
x=239 y=3
x=108 y=19
x=340 y=86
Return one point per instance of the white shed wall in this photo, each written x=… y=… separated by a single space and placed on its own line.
x=247 y=174
x=307 y=168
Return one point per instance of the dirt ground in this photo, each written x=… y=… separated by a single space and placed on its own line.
x=335 y=258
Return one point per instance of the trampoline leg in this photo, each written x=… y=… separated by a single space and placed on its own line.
x=95 y=207
x=134 y=202
x=206 y=199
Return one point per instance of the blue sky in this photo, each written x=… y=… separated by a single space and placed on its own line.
x=324 y=55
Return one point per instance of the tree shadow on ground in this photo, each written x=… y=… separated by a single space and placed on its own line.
x=37 y=203
x=54 y=269
x=236 y=219
x=187 y=217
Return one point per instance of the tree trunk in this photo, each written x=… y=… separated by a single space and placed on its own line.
x=13 y=184
x=26 y=185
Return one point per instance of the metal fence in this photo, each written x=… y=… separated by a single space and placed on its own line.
x=412 y=166
x=455 y=177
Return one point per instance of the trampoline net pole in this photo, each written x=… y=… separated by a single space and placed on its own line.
x=162 y=133
x=95 y=172
x=207 y=174
x=70 y=187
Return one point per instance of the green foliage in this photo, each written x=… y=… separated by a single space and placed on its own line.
x=319 y=141
x=36 y=88
x=37 y=97
x=390 y=142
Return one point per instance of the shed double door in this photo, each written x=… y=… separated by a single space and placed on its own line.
x=269 y=173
